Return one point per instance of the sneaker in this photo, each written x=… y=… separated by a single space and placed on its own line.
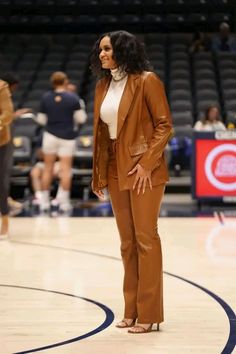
x=36 y=201
x=44 y=207
x=55 y=203
x=65 y=207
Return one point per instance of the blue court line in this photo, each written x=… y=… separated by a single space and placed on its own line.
x=231 y=342
x=109 y=318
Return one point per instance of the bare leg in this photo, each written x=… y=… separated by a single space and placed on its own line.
x=65 y=182
x=65 y=172
x=49 y=160
x=36 y=177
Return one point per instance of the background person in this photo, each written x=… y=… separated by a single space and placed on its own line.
x=224 y=41
x=132 y=126
x=12 y=80
x=36 y=174
x=6 y=117
x=59 y=109
x=200 y=43
x=211 y=121
x=81 y=116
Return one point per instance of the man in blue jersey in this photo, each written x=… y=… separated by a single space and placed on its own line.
x=59 y=111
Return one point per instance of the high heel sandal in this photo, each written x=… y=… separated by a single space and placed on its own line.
x=125 y=323
x=138 y=329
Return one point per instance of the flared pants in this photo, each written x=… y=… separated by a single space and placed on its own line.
x=136 y=218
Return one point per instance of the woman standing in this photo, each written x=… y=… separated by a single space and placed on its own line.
x=132 y=126
x=6 y=117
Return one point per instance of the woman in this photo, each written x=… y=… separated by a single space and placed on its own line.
x=211 y=121
x=6 y=117
x=59 y=111
x=132 y=126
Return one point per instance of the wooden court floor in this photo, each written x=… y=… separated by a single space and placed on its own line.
x=61 y=288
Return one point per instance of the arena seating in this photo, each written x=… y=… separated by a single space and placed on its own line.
x=191 y=80
x=98 y=15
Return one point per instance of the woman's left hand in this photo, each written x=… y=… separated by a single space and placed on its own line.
x=142 y=177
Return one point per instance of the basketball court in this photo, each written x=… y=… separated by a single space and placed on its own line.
x=61 y=287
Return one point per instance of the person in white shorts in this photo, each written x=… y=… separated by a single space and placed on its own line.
x=59 y=111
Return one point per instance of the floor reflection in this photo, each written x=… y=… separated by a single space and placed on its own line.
x=221 y=242
x=95 y=208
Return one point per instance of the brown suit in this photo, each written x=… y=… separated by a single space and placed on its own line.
x=6 y=113
x=144 y=128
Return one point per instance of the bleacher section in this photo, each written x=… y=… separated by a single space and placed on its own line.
x=99 y=15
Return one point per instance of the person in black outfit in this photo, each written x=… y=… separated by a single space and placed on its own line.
x=6 y=116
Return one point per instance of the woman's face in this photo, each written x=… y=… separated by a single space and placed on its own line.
x=213 y=114
x=106 y=54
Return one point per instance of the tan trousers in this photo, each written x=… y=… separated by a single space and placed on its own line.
x=136 y=217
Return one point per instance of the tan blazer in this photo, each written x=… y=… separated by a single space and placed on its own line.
x=6 y=113
x=144 y=128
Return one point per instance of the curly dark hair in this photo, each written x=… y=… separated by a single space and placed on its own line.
x=128 y=52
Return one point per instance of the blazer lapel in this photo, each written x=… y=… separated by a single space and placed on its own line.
x=101 y=93
x=126 y=100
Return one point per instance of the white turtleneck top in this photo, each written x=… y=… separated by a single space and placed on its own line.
x=111 y=102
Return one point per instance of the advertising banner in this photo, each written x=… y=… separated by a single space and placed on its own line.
x=215 y=168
